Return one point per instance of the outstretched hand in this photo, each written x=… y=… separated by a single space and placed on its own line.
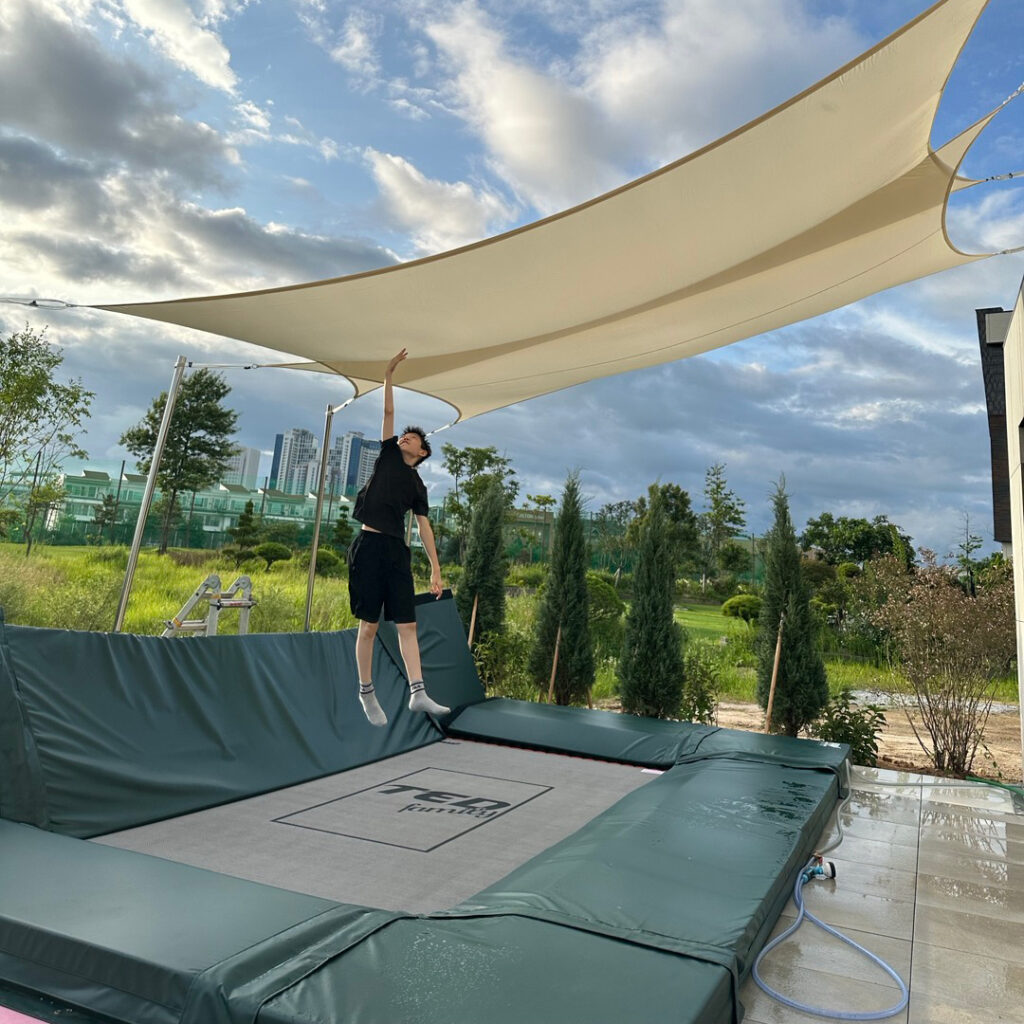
x=395 y=360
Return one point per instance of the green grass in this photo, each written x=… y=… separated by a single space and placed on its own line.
x=79 y=588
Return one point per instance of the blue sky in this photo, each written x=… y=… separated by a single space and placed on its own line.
x=162 y=148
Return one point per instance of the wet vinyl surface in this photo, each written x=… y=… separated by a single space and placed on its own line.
x=931 y=879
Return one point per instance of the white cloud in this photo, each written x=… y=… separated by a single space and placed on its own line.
x=544 y=138
x=352 y=44
x=438 y=215
x=183 y=38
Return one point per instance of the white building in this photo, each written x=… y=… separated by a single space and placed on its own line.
x=243 y=468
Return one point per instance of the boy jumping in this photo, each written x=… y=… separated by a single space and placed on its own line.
x=379 y=563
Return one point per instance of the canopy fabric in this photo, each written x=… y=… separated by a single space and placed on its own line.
x=831 y=197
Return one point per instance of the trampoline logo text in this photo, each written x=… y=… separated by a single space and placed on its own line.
x=437 y=801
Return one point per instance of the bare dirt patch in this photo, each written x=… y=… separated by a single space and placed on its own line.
x=998 y=758
x=898 y=748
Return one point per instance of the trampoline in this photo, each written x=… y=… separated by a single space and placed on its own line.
x=207 y=831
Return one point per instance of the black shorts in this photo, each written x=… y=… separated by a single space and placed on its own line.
x=380 y=576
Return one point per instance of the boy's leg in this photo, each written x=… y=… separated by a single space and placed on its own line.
x=366 y=597
x=410 y=645
x=364 y=660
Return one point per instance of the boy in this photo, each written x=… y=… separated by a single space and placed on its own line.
x=379 y=569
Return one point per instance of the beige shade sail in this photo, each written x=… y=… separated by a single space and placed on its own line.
x=831 y=197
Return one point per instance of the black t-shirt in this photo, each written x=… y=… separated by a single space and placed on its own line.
x=391 y=491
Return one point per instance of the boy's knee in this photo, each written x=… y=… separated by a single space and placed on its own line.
x=367 y=629
x=406 y=628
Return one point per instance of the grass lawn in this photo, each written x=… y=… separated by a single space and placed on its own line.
x=79 y=588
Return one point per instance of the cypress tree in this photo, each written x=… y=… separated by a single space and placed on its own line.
x=565 y=604
x=651 y=667
x=801 y=691
x=484 y=574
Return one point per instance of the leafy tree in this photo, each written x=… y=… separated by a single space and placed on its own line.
x=680 y=522
x=246 y=533
x=39 y=419
x=272 y=552
x=281 y=532
x=472 y=470
x=964 y=556
x=341 y=537
x=651 y=667
x=611 y=525
x=543 y=502
x=43 y=498
x=849 y=539
x=198 y=443
x=950 y=647
x=722 y=519
x=564 y=607
x=483 y=578
x=105 y=515
x=606 y=610
x=801 y=691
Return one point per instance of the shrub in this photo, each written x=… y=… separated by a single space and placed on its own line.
x=272 y=552
x=844 y=721
x=526 y=575
x=606 y=625
x=502 y=662
x=700 y=685
x=327 y=562
x=743 y=606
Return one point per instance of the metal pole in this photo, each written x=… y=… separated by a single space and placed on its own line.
x=316 y=517
x=147 y=497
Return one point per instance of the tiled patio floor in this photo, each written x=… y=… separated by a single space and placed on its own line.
x=929 y=878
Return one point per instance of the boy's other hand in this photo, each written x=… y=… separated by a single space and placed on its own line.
x=395 y=360
x=436 y=587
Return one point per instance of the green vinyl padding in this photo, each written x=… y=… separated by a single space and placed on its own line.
x=147 y=940
x=101 y=731
x=630 y=739
x=503 y=970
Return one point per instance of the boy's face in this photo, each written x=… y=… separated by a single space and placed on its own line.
x=411 y=447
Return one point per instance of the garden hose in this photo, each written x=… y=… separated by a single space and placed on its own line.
x=815 y=868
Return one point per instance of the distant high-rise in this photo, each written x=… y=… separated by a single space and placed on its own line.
x=275 y=466
x=351 y=462
x=243 y=468
x=298 y=471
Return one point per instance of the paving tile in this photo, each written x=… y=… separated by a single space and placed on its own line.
x=817 y=988
x=953 y=987
x=971 y=897
x=968 y=933
x=876 y=806
x=992 y=840
x=939 y=859
x=874 y=852
x=880 y=831
x=875 y=880
x=981 y=797
x=843 y=908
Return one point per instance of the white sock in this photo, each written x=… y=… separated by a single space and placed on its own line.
x=419 y=701
x=371 y=707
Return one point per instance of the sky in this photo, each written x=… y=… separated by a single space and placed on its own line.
x=166 y=148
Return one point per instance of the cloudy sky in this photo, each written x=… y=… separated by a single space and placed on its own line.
x=163 y=148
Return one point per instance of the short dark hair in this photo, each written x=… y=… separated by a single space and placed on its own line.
x=424 y=443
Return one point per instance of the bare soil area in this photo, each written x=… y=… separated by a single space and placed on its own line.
x=998 y=758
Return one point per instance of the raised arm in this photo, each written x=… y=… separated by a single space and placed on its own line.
x=387 y=427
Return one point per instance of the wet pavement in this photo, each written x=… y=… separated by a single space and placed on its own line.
x=929 y=877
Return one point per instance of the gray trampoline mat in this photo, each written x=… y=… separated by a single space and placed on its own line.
x=418 y=832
